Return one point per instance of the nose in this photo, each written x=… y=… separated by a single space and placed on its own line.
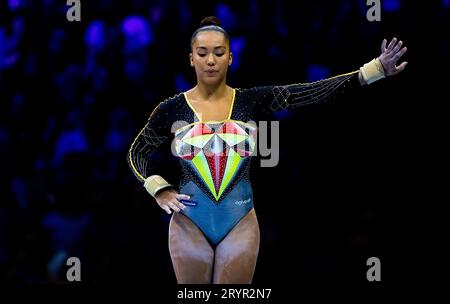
x=210 y=60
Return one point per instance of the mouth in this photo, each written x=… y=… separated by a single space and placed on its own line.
x=211 y=71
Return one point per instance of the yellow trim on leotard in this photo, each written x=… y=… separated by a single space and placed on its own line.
x=211 y=121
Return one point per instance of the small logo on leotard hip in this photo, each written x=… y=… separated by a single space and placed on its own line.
x=243 y=202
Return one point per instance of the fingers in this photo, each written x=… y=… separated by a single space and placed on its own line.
x=401 y=67
x=391 y=44
x=172 y=203
x=183 y=196
x=174 y=207
x=167 y=209
x=383 y=46
x=397 y=47
x=180 y=205
x=400 y=54
x=391 y=54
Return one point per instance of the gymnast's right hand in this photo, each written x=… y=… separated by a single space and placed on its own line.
x=169 y=199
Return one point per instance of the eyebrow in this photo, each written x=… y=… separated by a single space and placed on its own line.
x=205 y=48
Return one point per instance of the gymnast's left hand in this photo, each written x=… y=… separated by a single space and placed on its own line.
x=169 y=199
x=390 y=54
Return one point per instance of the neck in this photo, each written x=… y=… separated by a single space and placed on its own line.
x=211 y=92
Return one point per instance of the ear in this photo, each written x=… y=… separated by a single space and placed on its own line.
x=230 y=59
x=191 y=59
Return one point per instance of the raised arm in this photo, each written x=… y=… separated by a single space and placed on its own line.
x=299 y=94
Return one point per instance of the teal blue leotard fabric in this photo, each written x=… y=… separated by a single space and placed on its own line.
x=216 y=220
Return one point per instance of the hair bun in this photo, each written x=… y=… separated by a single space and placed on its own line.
x=210 y=20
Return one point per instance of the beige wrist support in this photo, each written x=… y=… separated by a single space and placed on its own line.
x=155 y=183
x=372 y=71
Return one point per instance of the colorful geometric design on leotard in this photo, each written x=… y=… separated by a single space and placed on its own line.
x=216 y=151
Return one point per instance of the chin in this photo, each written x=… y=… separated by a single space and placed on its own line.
x=212 y=80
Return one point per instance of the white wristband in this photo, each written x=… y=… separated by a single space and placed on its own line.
x=372 y=71
x=155 y=183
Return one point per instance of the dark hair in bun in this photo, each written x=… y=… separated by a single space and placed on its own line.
x=210 y=20
x=210 y=23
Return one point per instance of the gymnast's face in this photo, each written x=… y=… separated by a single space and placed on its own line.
x=210 y=57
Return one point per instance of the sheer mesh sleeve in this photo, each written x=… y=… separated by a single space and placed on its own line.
x=295 y=95
x=142 y=156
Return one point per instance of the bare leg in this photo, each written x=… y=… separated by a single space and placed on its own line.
x=191 y=254
x=236 y=254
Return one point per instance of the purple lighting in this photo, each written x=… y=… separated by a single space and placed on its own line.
x=391 y=5
x=95 y=35
x=317 y=72
x=137 y=32
x=226 y=16
x=13 y=4
x=446 y=3
x=237 y=48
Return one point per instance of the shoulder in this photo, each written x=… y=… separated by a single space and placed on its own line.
x=168 y=105
x=256 y=92
x=172 y=102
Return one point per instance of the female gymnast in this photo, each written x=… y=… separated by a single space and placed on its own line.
x=213 y=232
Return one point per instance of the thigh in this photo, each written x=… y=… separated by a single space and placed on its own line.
x=191 y=254
x=236 y=254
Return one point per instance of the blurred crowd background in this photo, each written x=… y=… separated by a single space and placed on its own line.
x=73 y=95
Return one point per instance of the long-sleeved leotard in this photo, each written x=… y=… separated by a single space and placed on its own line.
x=214 y=156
